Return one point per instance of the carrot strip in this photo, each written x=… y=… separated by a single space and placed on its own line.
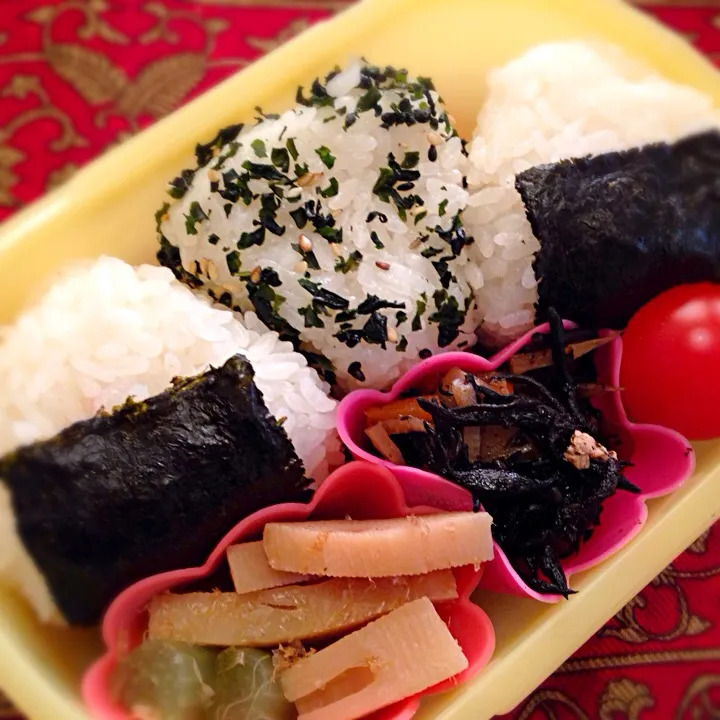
x=406 y=424
x=399 y=408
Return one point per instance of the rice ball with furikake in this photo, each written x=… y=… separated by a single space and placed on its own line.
x=337 y=222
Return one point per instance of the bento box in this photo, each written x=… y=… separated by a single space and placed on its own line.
x=109 y=207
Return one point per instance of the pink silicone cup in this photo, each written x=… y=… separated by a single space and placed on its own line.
x=358 y=489
x=662 y=460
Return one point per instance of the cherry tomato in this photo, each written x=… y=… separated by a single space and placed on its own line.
x=670 y=368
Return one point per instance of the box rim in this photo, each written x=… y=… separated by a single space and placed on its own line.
x=142 y=148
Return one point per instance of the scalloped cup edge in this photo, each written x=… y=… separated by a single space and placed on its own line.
x=499 y=575
x=126 y=609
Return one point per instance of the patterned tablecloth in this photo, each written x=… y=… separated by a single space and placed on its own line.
x=78 y=76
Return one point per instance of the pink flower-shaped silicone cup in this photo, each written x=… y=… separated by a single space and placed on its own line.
x=661 y=459
x=360 y=490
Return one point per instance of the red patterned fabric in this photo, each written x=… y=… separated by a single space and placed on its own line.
x=77 y=76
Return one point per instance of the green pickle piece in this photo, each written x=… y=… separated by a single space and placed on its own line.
x=246 y=687
x=163 y=680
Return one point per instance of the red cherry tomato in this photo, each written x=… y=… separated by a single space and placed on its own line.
x=670 y=367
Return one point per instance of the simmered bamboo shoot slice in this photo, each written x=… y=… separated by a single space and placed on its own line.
x=281 y=615
x=495 y=441
x=384 y=444
x=380 y=548
x=394 y=657
x=251 y=570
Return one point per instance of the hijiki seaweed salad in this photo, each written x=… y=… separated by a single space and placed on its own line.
x=526 y=443
x=145 y=411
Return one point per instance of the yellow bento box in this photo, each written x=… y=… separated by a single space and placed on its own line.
x=108 y=208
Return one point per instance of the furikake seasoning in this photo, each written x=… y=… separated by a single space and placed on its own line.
x=277 y=185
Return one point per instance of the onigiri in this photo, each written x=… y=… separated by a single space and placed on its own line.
x=556 y=101
x=337 y=222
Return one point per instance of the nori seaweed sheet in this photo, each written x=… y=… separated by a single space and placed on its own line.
x=617 y=229
x=151 y=487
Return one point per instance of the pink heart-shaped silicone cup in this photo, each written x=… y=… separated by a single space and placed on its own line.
x=661 y=459
x=360 y=490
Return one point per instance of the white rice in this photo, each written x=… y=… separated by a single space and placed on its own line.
x=108 y=331
x=397 y=271
x=556 y=101
x=18 y=570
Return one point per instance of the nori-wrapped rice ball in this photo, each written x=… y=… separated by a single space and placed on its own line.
x=151 y=487
x=617 y=229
